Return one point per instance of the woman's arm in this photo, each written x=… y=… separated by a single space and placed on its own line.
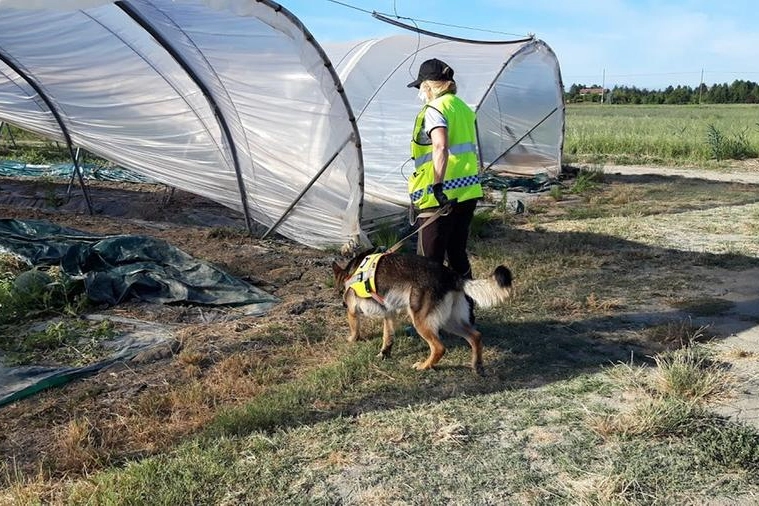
x=439 y=137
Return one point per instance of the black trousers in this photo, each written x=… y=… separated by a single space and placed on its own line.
x=446 y=237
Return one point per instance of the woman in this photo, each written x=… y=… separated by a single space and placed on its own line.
x=444 y=150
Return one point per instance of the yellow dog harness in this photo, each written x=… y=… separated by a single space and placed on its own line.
x=362 y=280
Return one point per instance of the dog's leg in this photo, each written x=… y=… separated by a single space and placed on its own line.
x=388 y=333
x=437 y=350
x=474 y=338
x=353 y=323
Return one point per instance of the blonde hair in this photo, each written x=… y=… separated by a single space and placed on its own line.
x=438 y=88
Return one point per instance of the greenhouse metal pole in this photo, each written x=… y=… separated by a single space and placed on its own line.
x=31 y=82
x=528 y=132
x=10 y=133
x=416 y=29
x=356 y=136
x=71 y=180
x=484 y=96
x=220 y=118
x=308 y=187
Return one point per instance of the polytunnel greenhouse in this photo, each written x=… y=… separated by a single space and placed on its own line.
x=237 y=102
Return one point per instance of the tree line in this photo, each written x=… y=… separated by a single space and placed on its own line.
x=739 y=92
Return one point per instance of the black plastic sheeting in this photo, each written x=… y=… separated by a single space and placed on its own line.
x=124 y=267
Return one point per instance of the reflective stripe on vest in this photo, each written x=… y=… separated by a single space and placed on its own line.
x=458 y=149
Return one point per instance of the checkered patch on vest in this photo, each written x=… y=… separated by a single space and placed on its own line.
x=460 y=182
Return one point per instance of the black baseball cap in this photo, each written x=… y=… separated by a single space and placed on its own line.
x=432 y=70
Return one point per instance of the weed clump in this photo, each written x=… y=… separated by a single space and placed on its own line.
x=724 y=147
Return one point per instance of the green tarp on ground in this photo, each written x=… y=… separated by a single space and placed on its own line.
x=14 y=168
x=115 y=269
x=121 y=267
x=23 y=381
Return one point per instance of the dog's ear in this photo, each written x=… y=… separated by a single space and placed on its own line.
x=340 y=276
x=338 y=271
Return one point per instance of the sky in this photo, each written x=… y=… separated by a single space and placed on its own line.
x=645 y=43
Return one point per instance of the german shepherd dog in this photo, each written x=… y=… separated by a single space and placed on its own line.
x=435 y=297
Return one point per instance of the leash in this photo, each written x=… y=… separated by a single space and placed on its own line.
x=442 y=211
x=358 y=276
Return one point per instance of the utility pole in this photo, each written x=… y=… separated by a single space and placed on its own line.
x=700 y=86
x=603 y=85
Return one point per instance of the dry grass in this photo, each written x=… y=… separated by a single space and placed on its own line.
x=79 y=446
x=667 y=396
x=304 y=415
x=692 y=374
x=161 y=415
x=677 y=333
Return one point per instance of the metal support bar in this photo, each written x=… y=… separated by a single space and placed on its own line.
x=220 y=118
x=416 y=29
x=10 y=133
x=36 y=87
x=78 y=171
x=73 y=172
x=521 y=138
x=308 y=187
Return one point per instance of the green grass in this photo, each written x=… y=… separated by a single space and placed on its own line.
x=70 y=342
x=386 y=235
x=594 y=133
x=597 y=390
x=34 y=149
x=537 y=445
x=636 y=134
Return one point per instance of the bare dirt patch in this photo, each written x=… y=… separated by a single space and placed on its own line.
x=135 y=408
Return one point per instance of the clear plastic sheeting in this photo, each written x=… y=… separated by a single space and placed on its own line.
x=20 y=103
x=234 y=100
x=240 y=107
x=515 y=88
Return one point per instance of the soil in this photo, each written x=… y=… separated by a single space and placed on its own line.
x=741 y=324
x=299 y=276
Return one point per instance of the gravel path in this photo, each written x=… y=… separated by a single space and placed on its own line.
x=741 y=324
x=747 y=174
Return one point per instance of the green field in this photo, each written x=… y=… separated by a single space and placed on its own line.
x=661 y=134
x=619 y=134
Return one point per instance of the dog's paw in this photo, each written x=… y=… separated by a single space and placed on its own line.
x=422 y=366
x=384 y=354
x=479 y=370
x=353 y=339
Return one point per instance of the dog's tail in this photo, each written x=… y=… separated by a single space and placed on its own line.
x=490 y=291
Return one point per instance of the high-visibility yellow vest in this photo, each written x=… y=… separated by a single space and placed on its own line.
x=461 y=179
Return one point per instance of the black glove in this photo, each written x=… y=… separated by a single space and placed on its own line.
x=437 y=191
